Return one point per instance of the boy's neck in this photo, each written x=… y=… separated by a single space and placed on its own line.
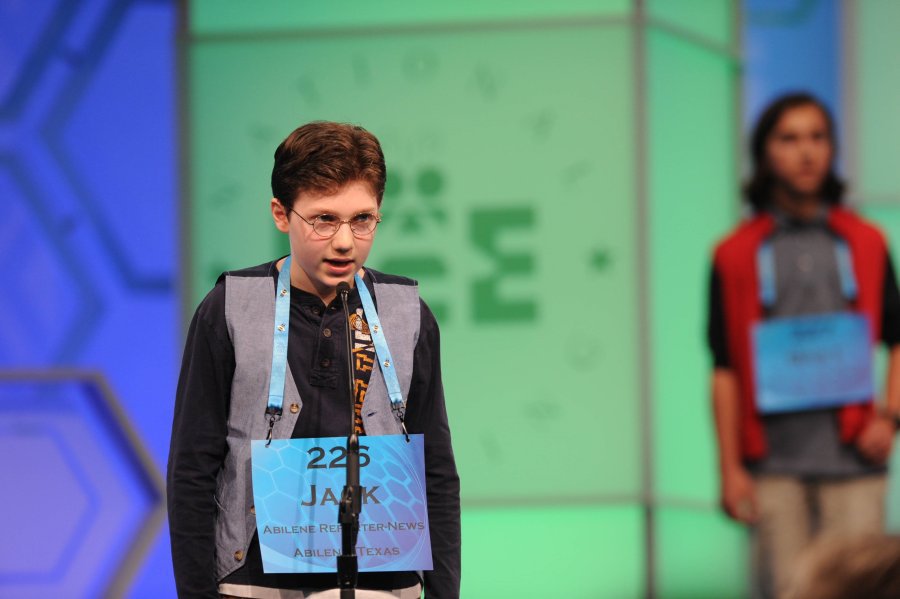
x=805 y=207
x=298 y=280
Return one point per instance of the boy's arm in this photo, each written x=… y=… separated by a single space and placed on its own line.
x=737 y=494
x=877 y=439
x=197 y=451
x=426 y=413
x=890 y=334
x=736 y=490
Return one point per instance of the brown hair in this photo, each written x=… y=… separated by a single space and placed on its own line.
x=322 y=157
x=758 y=189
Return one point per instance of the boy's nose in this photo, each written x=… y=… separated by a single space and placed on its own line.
x=343 y=239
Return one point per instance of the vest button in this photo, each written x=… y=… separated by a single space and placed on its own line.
x=294 y=409
x=325 y=363
x=327 y=332
x=238 y=555
x=252 y=510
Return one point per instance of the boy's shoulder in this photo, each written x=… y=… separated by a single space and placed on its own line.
x=266 y=269
x=212 y=307
x=383 y=278
x=741 y=243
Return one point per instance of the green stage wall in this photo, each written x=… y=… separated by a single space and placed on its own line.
x=871 y=83
x=557 y=175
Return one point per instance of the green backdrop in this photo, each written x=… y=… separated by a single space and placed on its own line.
x=557 y=175
x=871 y=83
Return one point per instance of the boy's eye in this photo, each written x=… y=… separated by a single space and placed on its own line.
x=363 y=218
x=327 y=218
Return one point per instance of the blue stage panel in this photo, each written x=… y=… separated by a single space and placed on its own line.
x=85 y=501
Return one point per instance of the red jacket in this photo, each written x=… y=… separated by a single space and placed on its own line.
x=735 y=263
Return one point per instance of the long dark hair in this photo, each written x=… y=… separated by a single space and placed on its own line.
x=758 y=190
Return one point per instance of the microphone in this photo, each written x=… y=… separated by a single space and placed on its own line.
x=351 y=505
x=343 y=290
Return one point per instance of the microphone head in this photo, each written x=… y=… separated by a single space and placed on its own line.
x=343 y=287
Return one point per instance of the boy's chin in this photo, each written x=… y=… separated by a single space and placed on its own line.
x=332 y=281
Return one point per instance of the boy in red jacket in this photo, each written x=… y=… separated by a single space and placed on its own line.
x=799 y=295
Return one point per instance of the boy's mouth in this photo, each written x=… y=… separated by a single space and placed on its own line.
x=339 y=263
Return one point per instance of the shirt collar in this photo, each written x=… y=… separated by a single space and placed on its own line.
x=785 y=221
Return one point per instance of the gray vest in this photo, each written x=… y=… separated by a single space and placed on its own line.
x=250 y=316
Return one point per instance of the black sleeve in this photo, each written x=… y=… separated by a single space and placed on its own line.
x=716 y=333
x=427 y=414
x=890 y=316
x=198 y=448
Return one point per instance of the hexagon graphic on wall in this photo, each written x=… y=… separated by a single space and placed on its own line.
x=83 y=499
x=28 y=47
x=48 y=307
x=97 y=119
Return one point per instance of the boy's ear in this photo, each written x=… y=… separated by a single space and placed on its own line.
x=279 y=215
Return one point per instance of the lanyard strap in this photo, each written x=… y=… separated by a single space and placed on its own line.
x=280 y=342
x=845 y=268
x=385 y=361
x=279 y=346
x=765 y=263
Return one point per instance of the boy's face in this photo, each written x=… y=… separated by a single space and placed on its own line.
x=319 y=263
x=799 y=151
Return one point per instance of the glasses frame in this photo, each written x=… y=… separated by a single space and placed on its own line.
x=339 y=224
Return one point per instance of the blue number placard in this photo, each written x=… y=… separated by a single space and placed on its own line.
x=297 y=485
x=812 y=362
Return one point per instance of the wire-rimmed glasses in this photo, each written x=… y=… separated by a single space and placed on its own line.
x=327 y=225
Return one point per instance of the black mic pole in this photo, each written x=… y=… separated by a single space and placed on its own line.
x=348 y=516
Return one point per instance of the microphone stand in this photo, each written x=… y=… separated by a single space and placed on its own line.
x=350 y=506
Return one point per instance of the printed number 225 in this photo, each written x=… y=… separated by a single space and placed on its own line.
x=338 y=461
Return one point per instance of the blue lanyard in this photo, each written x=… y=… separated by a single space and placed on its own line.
x=765 y=263
x=279 y=346
x=382 y=353
x=280 y=342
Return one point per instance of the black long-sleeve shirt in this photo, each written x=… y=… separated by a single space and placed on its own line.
x=318 y=366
